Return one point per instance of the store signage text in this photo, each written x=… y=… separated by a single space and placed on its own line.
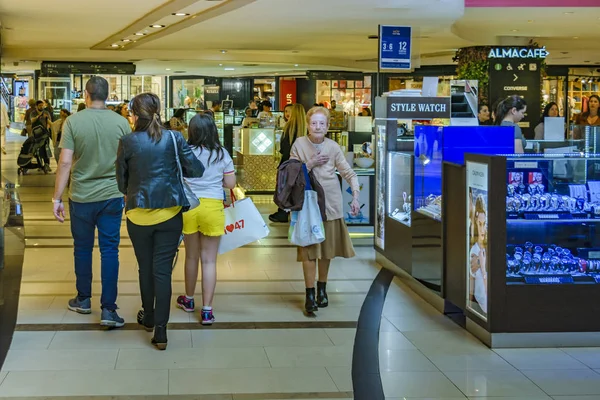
x=516 y=88
x=515 y=52
x=418 y=107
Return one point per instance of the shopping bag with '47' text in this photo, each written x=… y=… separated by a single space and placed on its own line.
x=243 y=225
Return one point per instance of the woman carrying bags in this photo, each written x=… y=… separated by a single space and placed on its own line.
x=148 y=173
x=294 y=128
x=323 y=156
x=204 y=225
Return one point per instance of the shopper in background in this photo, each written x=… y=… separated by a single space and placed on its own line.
x=287 y=111
x=204 y=225
x=41 y=117
x=588 y=118
x=294 y=128
x=89 y=145
x=48 y=107
x=551 y=110
x=484 y=115
x=216 y=107
x=5 y=122
x=27 y=118
x=494 y=110
x=148 y=174
x=177 y=122
x=323 y=156
x=123 y=111
x=57 y=128
x=266 y=110
x=510 y=111
x=333 y=105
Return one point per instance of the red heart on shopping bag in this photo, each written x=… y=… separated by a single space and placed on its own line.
x=230 y=228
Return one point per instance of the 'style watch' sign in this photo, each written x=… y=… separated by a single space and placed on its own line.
x=418 y=107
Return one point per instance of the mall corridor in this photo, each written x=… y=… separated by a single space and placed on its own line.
x=262 y=346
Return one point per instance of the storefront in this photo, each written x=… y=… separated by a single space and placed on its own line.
x=20 y=89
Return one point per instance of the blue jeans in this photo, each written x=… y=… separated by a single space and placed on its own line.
x=85 y=217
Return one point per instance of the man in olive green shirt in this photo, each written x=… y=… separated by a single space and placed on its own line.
x=89 y=144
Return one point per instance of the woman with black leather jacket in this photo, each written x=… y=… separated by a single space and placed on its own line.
x=148 y=175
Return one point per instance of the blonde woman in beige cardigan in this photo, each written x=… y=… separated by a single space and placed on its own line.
x=323 y=156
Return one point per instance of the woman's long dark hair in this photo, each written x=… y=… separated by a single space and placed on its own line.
x=203 y=134
x=508 y=104
x=585 y=115
x=547 y=110
x=146 y=107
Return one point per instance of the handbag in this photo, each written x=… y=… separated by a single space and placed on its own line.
x=306 y=225
x=243 y=225
x=187 y=190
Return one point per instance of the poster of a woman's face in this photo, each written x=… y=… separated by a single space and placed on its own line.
x=477 y=267
x=515 y=178
x=535 y=178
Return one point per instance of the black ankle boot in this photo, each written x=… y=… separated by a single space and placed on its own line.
x=322 y=299
x=160 y=337
x=145 y=321
x=310 y=305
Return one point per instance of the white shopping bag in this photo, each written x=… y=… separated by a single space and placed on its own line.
x=306 y=225
x=243 y=225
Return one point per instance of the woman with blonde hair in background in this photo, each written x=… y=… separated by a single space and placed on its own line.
x=323 y=157
x=294 y=128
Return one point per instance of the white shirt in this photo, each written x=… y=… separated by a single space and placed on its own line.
x=210 y=186
x=480 y=291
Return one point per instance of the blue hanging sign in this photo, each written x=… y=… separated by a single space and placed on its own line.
x=395 y=43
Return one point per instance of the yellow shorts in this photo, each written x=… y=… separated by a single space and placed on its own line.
x=208 y=218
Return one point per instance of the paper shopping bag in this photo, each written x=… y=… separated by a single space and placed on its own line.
x=243 y=225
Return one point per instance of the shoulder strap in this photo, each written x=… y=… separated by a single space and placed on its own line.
x=306 y=177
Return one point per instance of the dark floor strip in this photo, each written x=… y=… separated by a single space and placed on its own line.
x=366 y=378
x=200 y=280
x=94 y=294
x=193 y=326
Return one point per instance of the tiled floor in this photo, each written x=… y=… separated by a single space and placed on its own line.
x=422 y=354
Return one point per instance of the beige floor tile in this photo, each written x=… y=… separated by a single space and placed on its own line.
x=251 y=380
x=425 y=322
x=394 y=341
x=2 y=376
x=494 y=383
x=197 y=358
x=336 y=287
x=590 y=356
x=337 y=300
x=60 y=360
x=41 y=316
x=470 y=362
x=446 y=342
x=116 y=339
x=341 y=337
x=331 y=356
x=35 y=302
x=386 y=326
x=342 y=376
x=335 y=313
x=31 y=340
x=259 y=338
x=540 y=359
x=418 y=384
x=99 y=383
x=252 y=314
x=404 y=361
x=566 y=382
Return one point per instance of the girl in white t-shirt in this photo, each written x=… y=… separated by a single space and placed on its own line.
x=204 y=225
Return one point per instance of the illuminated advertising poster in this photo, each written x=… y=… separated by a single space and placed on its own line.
x=477 y=241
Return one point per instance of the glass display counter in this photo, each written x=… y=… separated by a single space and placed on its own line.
x=531 y=253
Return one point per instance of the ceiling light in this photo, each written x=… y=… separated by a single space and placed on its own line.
x=575 y=37
x=180 y=14
x=140 y=34
x=157 y=26
x=229 y=69
x=514 y=30
x=569 y=13
x=220 y=65
x=167 y=69
x=125 y=40
x=583 y=80
x=295 y=65
x=114 y=45
x=223 y=51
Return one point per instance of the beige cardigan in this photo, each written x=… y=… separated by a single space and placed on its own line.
x=303 y=150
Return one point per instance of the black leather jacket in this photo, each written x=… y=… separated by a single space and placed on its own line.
x=147 y=171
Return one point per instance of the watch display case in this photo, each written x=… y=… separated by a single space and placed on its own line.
x=399 y=192
x=553 y=214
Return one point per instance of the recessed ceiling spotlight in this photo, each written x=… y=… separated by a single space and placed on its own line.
x=583 y=81
x=295 y=65
x=223 y=51
x=569 y=13
x=229 y=69
x=514 y=30
x=114 y=45
x=167 y=69
x=140 y=34
x=157 y=26
x=220 y=65
x=180 y=14
x=575 y=37
x=125 y=40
